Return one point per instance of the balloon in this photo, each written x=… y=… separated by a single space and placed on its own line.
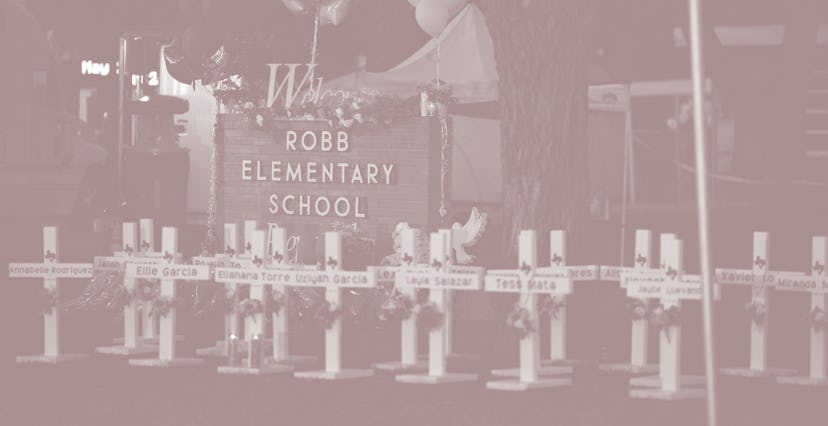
x=218 y=12
x=334 y=11
x=198 y=42
x=432 y=16
x=191 y=9
x=455 y=6
x=177 y=67
x=299 y=7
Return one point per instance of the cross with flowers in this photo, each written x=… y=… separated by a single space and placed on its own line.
x=528 y=282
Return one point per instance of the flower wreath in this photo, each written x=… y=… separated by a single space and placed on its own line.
x=277 y=301
x=121 y=297
x=429 y=316
x=639 y=309
x=326 y=314
x=818 y=319
x=225 y=298
x=551 y=305
x=48 y=299
x=397 y=307
x=520 y=321
x=161 y=306
x=249 y=307
x=665 y=318
x=757 y=310
x=145 y=290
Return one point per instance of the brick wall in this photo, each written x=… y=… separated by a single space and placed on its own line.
x=413 y=146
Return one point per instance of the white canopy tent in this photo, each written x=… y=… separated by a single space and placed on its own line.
x=466 y=63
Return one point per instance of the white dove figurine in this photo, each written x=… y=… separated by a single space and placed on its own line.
x=467 y=235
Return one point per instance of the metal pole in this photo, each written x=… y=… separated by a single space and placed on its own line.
x=119 y=154
x=701 y=196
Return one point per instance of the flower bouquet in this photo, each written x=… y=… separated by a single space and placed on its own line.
x=396 y=307
x=435 y=98
x=161 y=306
x=551 y=305
x=817 y=318
x=250 y=307
x=664 y=318
x=757 y=311
x=639 y=309
x=326 y=314
x=520 y=321
x=429 y=316
x=48 y=299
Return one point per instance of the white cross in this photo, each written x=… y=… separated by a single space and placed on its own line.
x=232 y=257
x=528 y=281
x=440 y=278
x=670 y=286
x=408 y=326
x=51 y=271
x=169 y=273
x=333 y=280
x=128 y=255
x=815 y=284
x=760 y=279
x=558 y=267
x=640 y=326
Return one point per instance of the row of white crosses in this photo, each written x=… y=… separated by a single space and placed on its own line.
x=252 y=256
x=529 y=281
x=440 y=278
x=409 y=347
x=640 y=330
x=666 y=284
x=670 y=286
x=170 y=275
x=761 y=279
x=139 y=322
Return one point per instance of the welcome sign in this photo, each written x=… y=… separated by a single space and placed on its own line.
x=306 y=175
x=333 y=171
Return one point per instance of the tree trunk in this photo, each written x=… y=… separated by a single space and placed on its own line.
x=541 y=50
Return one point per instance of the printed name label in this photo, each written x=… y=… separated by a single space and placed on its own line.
x=48 y=270
x=745 y=277
x=218 y=262
x=802 y=283
x=574 y=273
x=168 y=272
x=296 y=278
x=429 y=278
x=118 y=263
x=664 y=288
x=542 y=284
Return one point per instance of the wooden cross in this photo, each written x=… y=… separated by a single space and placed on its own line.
x=440 y=278
x=816 y=284
x=558 y=267
x=670 y=286
x=639 y=336
x=255 y=276
x=50 y=270
x=233 y=257
x=528 y=281
x=146 y=248
x=132 y=343
x=333 y=279
x=760 y=279
x=278 y=242
x=408 y=326
x=169 y=273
